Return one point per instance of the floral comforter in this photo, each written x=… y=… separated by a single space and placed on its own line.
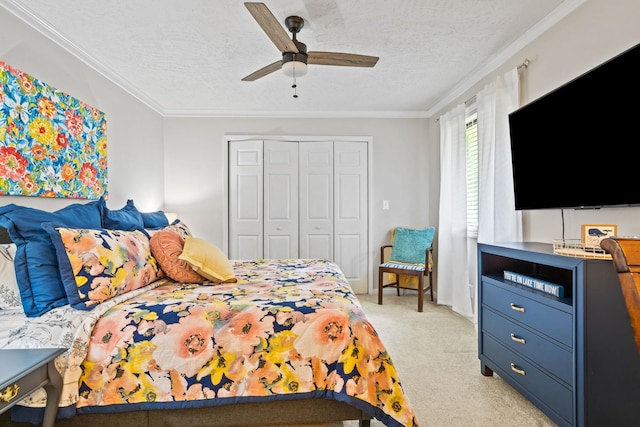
x=286 y=329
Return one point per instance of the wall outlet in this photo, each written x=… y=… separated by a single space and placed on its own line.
x=385 y=205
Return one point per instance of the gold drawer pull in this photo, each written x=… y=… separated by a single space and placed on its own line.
x=9 y=393
x=517 y=339
x=517 y=370
x=517 y=308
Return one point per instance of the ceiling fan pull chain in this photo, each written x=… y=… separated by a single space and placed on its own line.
x=295 y=86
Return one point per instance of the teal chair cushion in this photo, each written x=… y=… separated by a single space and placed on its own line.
x=410 y=244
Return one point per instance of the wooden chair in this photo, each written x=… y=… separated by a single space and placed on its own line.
x=625 y=253
x=400 y=268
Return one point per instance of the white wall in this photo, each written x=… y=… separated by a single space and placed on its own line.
x=134 y=132
x=595 y=32
x=194 y=168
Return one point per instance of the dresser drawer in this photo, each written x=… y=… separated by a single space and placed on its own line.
x=547 y=390
x=24 y=386
x=549 y=321
x=546 y=354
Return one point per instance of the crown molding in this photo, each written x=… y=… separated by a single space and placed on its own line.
x=298 y=114
x=565 y=8
x=43 y=27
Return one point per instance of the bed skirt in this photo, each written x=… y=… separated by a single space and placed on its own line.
x=294 y=412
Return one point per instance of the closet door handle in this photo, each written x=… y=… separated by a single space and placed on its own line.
x=517 y=308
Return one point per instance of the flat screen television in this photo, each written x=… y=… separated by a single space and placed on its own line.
x=576 y=147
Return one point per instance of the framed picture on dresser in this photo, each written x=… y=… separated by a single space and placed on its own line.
x=592 y=234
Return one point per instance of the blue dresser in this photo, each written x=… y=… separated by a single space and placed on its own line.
x=573 y=357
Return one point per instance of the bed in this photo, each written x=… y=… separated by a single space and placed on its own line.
x=264 y=342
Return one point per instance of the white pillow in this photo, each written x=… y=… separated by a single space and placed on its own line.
x=9 y=292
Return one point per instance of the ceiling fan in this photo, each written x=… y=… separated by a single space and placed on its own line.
x=294 y=53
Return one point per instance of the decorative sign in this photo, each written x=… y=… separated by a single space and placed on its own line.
x=51 y=144
x=593 y=233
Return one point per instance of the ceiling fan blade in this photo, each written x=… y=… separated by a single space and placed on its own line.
x=263 y=71
x=272 y=27
x=344 y=59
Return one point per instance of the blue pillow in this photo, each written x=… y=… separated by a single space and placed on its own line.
x=154 y=220
x=410 y=244
x=127 y=219
x=36 y=264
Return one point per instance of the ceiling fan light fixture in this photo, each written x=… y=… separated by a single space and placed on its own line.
x=294 y=64
x=294 y=69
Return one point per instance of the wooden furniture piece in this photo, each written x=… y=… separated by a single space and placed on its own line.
x=418 y=271
x=25 y=371
x=625 y=252
x=574 y=357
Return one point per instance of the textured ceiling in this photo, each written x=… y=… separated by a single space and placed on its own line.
x=188 y=57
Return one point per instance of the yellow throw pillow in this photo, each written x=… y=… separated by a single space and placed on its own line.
x=207 y=260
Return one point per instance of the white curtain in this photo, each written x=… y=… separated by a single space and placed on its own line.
x=498 y=221
x=497 y=218
x=453 y=278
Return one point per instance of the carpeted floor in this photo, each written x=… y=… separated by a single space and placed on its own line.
x=435 y=353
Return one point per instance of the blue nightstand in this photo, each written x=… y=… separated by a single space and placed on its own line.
x=25 y=371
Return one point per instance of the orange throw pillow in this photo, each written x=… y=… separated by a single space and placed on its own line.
x=166 y=247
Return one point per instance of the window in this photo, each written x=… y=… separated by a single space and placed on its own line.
x=471 y=138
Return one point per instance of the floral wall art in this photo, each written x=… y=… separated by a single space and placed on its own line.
x=51 y=144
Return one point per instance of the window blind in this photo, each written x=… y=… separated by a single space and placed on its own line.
x=471 y=137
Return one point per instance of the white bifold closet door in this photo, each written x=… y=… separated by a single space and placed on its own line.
x=300 y=200
x=280 y=200
x=316 y=200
